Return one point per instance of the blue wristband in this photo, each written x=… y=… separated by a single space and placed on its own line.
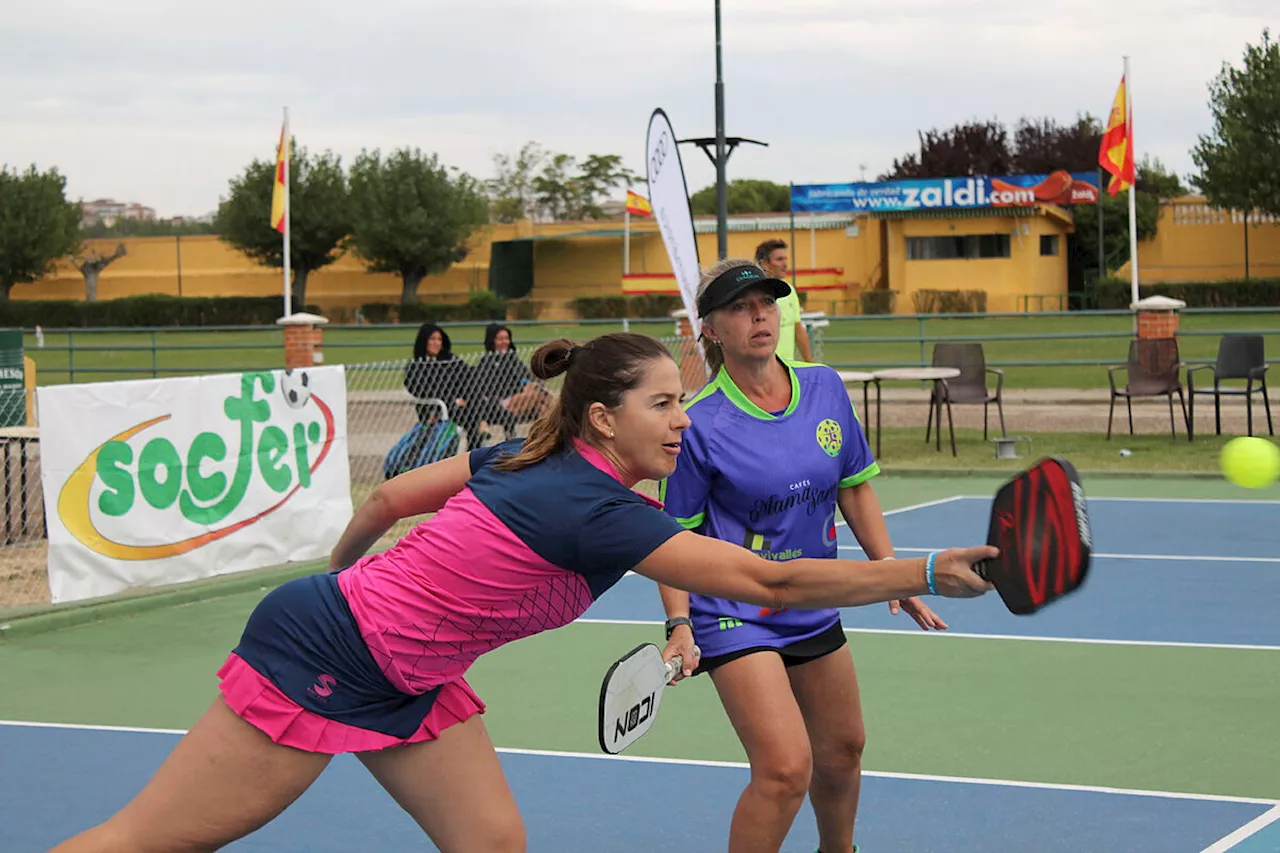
x=928 y=573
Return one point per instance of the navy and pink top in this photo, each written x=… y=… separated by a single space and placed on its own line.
x=373 y=655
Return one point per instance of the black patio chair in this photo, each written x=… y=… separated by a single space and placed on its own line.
x=1153 y=370
x=970 y=387
x=1239 y=357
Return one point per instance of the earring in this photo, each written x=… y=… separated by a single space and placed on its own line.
x=611 y=435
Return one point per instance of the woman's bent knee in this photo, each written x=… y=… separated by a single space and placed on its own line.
x=841 y=759
x=785 y=779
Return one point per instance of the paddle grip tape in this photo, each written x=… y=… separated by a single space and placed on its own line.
x=676 y=665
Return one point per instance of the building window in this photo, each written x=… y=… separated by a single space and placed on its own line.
x=968 y=247
x=1048 y=244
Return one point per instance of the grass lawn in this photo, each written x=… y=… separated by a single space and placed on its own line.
x=100 y=356
x=1081 y=345
x=904 y=450
x=1092 y=342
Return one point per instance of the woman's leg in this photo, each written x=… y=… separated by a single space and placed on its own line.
x=455 y=789
x=826 y=690
x=757 y=697
x=222 y=781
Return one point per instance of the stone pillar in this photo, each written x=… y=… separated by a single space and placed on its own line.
x=693 y=370
x=1157 y=317
x=302 y=340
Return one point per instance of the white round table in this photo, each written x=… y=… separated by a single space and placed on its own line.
x=866 y=378
x=938 y=376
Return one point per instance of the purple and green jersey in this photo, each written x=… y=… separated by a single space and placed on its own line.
x=769 y=482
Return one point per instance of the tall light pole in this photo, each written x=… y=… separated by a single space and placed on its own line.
x=722 y=193
x=719 y=148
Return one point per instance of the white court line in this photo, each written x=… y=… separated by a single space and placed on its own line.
x=691 y=762
x=1253 y=827
x=1266 y=502
x=914 y=632
x=1162 y=557
x=925 y=505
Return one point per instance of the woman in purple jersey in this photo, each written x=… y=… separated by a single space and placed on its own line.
x=370 y=657
x=773 y=450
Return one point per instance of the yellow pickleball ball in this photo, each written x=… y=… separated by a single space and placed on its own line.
x=1251 y=462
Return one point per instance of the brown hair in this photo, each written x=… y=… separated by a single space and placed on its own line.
x=599 y=371
x=766 y=249
x=711 y=349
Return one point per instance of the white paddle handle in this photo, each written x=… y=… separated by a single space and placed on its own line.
x=676 y=664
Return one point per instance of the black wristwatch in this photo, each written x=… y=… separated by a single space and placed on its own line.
x=675 y=622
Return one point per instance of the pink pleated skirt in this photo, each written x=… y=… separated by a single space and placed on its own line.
x=260 y=703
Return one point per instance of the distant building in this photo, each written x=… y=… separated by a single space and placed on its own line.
x=107 y=211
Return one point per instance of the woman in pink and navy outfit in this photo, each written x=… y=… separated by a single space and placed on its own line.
x=371 y=657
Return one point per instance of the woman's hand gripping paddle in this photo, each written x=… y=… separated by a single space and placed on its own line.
x=1040 y=523
x=631 y=694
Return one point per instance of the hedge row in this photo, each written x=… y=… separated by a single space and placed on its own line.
x=152 y=310
x=949 y=301
x=1235 y=293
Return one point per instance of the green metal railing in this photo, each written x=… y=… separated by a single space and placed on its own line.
x=861 y=341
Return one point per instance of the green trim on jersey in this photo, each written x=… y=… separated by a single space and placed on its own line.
x=857 y=479
x=725 y=384
x=692 y=523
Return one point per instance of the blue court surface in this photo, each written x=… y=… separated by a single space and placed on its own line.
x=1163 y=572
x=1170 y=573
x=590 y=803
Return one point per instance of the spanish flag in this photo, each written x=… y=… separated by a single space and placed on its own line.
x=281 y=179
x=1116 y=152
x=638 y=204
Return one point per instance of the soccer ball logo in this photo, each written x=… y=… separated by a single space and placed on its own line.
x=295 y=385
x=830 y=438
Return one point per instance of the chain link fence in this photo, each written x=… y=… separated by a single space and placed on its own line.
x=477 y=398
x=23 y=550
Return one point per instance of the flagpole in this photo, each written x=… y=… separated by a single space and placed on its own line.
x=626 y=241
x=1133 y=206
x=288 y=158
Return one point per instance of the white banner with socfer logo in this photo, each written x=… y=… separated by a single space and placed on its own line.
x=160 y=481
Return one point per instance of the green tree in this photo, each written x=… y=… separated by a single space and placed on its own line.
x=568 y=190
x=744 y=196
x=598 y=176
x=412 y=215
x=1239 y=161
x=511 y=193
x=1155 y=185
x=555 y=188
x=319 y=216
x=38 y=226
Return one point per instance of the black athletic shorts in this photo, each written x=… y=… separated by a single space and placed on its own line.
x=801 y=651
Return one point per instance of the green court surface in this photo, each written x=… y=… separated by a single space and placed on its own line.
x=1168 y=716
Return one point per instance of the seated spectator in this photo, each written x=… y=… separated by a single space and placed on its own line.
x=502 y=392
x=436 y=373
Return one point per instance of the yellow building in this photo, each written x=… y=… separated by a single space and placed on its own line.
x=835 y=256
x=1195 y=242
x=1017 y=256
x=1008 y=255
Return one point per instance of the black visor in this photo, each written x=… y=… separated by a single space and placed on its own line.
x=732 y=282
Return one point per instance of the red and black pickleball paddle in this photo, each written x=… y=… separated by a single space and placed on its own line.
x=1040 y=523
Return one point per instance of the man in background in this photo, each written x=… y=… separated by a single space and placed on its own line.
x=793 y=338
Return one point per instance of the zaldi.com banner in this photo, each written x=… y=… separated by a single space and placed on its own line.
x=947 y=193
x=160 y=481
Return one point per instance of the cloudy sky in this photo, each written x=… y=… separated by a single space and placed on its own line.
x=162 y=102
